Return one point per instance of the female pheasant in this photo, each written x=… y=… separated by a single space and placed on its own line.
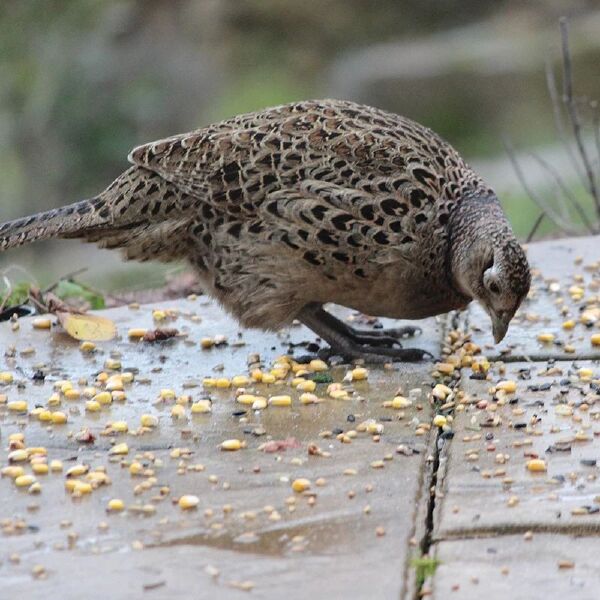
x=283 y=210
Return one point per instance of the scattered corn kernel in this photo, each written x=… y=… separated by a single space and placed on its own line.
x=440 y=420
x=119 y=426
x=536 y=465
x=93 y=406
x=41 y=323
x=188 y=501
x=18 y=456
x=148 y=421
x=223 y=382
x=280 y=400
x=6 y=377
x=17 y=406
x=25 y=480
x=359 y=374
x=260 y=403
x=167 y=394
x=240 y=380
x=568 y=325
x=508 y=386
x=545 y=338
x=202 y=406
x=300 y=485
x=115 y=505
x=59 y=418
x=87 y=347
x=595 y=339
x=40 y=468
x=232 y=445
x=318 y=365
x=308 y=398
x=306 y=385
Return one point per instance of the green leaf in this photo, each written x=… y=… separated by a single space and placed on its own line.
x=18 y=294
x=70 y=289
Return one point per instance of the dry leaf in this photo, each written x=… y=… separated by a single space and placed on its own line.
x=87 y=327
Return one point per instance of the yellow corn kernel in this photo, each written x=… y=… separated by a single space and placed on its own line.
x=536 y=465
x=93 y=406
x=300 y=485
x=318 y=365
x=115 y=505
x=440 y=420
x=98 y=478
x=167 y=394
x=595 y=339
x=118 y=396
x=25 y=480
x=119 y=449
x=148 y=420
x=246 y=399
x=399 y=402
x=188 y=501
x=112 y=364
x=223 y=382
x=268 y=378
x=178 y=411
x=509 y=386
x=159 y=315
x=545 y=338
x=13 y=471
x=136 y=333
x=209 y=382
x=59 y=418
x=359 y=374
x=202 y=406
x=81 y=487
x=6 y=377
x=77 y=470
x=87 y=347
x=37 y=451
x=40 y=468
x=585 y=373
x=338 y=394
x=232 y=445
x=240 y=380
x=568 y=325
x=120 y=426
x=256 y=375
x=136 y=468
x=103 y=398
x=308 y=398
x=41 y=323
x=207 y=342
x=18 y=456
x=445 y=368
x=44 y=416
x=56 y=466
x=17 y=406
x=114 y=383
x=306 y=385
x=283 y=400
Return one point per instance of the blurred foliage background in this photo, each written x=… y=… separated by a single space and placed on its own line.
x=84 y=81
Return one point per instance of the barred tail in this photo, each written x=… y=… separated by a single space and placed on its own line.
x=66 y=221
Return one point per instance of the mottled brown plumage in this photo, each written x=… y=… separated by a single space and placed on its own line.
x=283 y=210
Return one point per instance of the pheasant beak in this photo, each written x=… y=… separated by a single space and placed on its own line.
x=500 y=322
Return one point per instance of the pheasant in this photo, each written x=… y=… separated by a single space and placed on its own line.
x=284 y=210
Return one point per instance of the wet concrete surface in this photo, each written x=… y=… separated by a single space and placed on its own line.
x=343 y=538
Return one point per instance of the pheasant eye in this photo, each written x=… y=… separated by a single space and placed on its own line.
x=494 y=288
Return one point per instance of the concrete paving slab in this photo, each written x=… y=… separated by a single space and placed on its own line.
x=554 y=415
x=347 y=537
x=565 y=287
x=512 y=567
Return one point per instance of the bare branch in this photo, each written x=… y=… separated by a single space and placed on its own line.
x=573 y=113
x=537 y=199
x=566 y=192
x=558 y=119
x=535 y=227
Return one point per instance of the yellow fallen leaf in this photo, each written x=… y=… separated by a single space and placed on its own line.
x=87 y=327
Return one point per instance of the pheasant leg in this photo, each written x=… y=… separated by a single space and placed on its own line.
x=378 y=337
x=319 y=321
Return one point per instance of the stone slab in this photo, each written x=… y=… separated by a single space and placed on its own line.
x=563 y=263
x=328 y=548
x=485 y=465
x=510 y=567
